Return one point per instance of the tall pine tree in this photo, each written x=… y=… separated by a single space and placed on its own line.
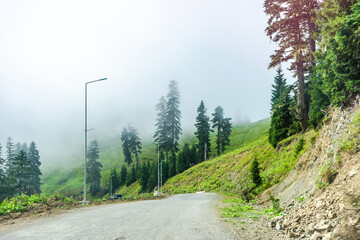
x=35 y=163
x=281 y=118
x=223 y=129
x=161 y=132
x=9 y=154
x=21 y=172
x=134 y=143
x=123 y=174
x=126 y=146
x=203 y=131
x=93 y=168
x=2 y=176
x=173 y=116
x=291 y=26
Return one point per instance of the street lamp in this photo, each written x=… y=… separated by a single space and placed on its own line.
x=158 y=188
x=161 y=176
x=86 y=130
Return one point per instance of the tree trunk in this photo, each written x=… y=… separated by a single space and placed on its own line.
x=301 y=96
x=312 y=44
x=302 y=113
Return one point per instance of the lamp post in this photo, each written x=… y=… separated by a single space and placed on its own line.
x=158 y=188
x=86 y=130
x=161 y=176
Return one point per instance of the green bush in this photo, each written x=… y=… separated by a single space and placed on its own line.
x=299 y=146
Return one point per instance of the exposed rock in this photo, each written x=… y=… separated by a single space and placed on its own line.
x=316 y=236
x=352 y=173
x=310 y=228
x=330 y=214
x=321 y=226
x=327 y=236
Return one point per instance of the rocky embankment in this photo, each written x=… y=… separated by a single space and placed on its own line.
x=321 y=195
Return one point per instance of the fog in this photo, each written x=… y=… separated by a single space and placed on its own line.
x=217 y=51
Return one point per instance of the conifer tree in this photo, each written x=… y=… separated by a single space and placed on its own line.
x=291 y=26
x=35 y=163
x=93 y=168
x=173 y=116
x=131 y=176
x=126 y=146
x=2 y=176
x=21 y=172
x=195 y=156
x=134 y=143
x=255 y=172
x=281 y=118
x=152 y=181
x=338 y=68
x=223 y=128
x=123 y=174
x=18 y=148
x=203 y=131
x=226 y=132
x=9 y=154
x=115 y=180
x=161 y=132
x=183 y=158
x=144 y=176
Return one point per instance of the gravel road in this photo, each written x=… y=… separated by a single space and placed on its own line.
x=188 y=216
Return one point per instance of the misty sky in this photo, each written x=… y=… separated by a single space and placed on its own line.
x=217 y=51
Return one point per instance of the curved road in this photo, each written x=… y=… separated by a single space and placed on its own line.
x=188 y=216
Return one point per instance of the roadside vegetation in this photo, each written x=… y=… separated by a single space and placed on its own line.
x=230 y=173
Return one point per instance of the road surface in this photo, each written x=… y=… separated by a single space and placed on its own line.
x=188 y=216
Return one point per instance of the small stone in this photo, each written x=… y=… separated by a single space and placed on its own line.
x=272 y=224
x=352 y=173
x=278 y=226
x=315 y=236
x=321 y=226
x=341 y=206
x=290 y=234
x=327 y=236
x=319 y=204
x=330 y=214
x=310 y=228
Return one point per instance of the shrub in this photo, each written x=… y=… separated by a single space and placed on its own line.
x=255 y=172
x=299 y=146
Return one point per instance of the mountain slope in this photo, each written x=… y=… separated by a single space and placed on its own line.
x=68 y=178
x=229 y=173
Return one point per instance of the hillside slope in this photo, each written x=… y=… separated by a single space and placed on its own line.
x=229 y=173
x=68 y=178
x=322 y=192
x=318 y=186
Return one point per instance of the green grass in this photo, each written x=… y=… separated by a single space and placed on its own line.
x=68 y=177
x=22 y=203
x=229 y=173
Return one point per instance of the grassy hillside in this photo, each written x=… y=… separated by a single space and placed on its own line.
x=229 y=173
x=69 y=178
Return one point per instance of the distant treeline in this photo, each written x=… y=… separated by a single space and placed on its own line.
x=19 y=170
x=172 y=159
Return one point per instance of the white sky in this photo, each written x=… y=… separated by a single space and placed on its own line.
x=217 y=51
